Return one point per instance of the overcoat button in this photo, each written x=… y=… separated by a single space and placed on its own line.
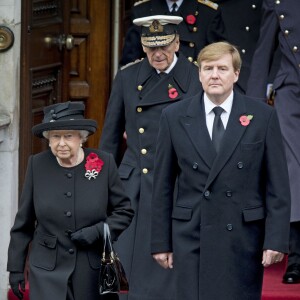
x=139 y=109
x=68 y=214
x=71 y=251
x=295 y=49
x=195 y=166
x=195 y=29
x=190 y=58
x=277 y=2
x=281 y=17
x=144 y=151
x=229 y=227
x=68 y=232
x=140 y=87
x=69 y=194
x=141 y=130
x=192 y=45
x=253 y=6
x=69 y=175
x=145 y=171
x=228 y=193
x=206 y=194
x=240 y=165
x=286 y=32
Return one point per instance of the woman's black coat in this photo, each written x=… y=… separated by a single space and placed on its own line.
x=55 y=202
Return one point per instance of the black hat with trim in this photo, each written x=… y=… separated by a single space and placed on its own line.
x=159 y=30
x=65 y=116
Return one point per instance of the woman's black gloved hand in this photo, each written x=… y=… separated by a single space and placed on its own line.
x=17 y=281
x=88 y=235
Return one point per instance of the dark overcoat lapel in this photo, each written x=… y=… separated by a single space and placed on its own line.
x=195 y=125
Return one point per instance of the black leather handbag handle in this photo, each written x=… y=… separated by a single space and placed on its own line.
x=108 y=251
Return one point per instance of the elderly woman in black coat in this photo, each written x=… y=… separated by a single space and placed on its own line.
x=69 y=191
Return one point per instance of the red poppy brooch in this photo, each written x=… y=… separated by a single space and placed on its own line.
x=93 y=166
x=245 y=120
x=190 y=19
x=172 y=92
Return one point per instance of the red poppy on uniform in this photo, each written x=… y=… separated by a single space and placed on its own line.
x=190 y=19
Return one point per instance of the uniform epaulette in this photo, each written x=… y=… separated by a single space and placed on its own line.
x=209 y=3
x=131 y=63
x=140 y=2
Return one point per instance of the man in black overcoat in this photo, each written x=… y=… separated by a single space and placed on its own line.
x=281 y=25
x=222 y=153
x=202 y=24
x=140 y=91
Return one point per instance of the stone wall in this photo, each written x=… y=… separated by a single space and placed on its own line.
x=10 y=16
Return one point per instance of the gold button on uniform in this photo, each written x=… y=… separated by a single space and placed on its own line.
x=243 y=51
x=145 y=171
x=144 y=151
x=247 y=28
x=295 y=48
x=253 y=6
x=140 y=87
x=141 y=130
x=277 y=2
x=190 y=58
x=139 y=109
x=286 y=32
x=195 y=29
x=191 y=44
x=281 y=17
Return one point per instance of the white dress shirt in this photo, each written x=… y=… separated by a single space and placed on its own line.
x=210 y=115
x=170 y=3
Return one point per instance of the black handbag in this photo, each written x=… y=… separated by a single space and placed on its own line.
x=112 y=277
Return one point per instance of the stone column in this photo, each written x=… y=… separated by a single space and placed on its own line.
x=10 y=17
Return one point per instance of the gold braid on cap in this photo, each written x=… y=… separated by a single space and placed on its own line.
x=157 y=41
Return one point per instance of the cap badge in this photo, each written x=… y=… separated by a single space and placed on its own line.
x=156 y=27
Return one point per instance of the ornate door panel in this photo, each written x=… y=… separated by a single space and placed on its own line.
x=90 y=63
x=42 y=78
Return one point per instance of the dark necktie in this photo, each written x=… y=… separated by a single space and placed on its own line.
x=218 y=128
x=162 y=74
x=173 y=8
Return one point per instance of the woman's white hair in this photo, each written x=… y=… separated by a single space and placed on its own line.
x=83 y=134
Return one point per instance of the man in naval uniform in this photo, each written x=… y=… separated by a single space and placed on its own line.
x=281 y=25
x=139 y=93
x=202 y=24
x=242 y=21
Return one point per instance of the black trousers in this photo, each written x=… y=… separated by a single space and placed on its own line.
x=294 y=254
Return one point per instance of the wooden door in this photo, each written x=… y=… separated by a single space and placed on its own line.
x=65 y=55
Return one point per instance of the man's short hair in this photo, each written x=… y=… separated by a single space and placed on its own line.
x=215 y=51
